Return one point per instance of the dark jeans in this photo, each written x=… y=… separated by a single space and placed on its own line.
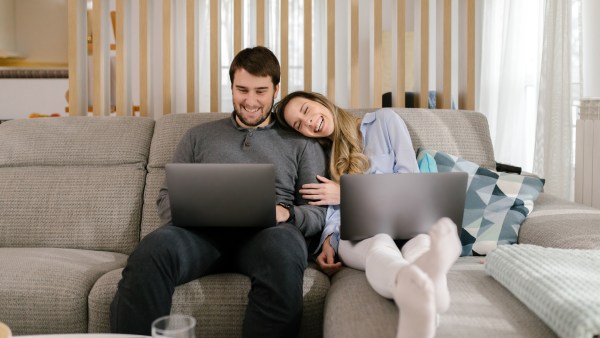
x=274 y=259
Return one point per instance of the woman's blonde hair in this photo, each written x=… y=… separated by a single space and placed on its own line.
x=346 y=142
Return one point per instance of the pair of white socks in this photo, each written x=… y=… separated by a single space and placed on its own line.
x=421 y=291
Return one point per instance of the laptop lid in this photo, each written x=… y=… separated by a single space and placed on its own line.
x=401 y=205
x=221 y=195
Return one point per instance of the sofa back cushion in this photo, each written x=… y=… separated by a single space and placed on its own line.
x=73 y=182
x=461 y=133
x=464 y=133
x=167 y=133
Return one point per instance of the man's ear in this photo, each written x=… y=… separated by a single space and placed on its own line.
x=276 y=91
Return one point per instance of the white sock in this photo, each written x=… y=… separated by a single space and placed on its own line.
x=445 y=249
x=415 y=297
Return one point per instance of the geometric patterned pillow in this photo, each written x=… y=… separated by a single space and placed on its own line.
x=495 y=205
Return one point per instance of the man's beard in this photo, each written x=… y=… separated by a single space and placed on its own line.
x=257 y=123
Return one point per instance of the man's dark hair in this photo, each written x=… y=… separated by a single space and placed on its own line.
x=258 y=61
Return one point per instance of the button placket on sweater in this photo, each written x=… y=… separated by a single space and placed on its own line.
x=247 y=142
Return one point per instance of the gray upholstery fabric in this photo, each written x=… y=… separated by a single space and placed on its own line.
x=480 y=307
x=45 y=290
x=68 y=141
x=150 y=219
x=169 y=130
x=83 y=207
x=73 y=182
x=217 y=301
x=557 y=223
x=458 y=132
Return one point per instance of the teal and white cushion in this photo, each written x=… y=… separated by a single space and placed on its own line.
x=496 y=203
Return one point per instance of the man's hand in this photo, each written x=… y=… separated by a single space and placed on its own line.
x=281 y=214
x=325 y=193
x=326 y=259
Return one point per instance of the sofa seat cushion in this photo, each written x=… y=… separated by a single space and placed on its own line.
x=218 y=303
x=480 y=307
x=558 y=223
x=46 y=290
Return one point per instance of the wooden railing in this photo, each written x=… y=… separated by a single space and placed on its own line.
x=133 y=55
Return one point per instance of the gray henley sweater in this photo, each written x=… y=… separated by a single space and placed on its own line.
x=297 y=161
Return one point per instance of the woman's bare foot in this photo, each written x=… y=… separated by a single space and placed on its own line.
x=445 y=249
x=415 y=297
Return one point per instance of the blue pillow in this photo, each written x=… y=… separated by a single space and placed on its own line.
x=496 y=203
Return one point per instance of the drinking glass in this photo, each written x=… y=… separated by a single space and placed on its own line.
x=174 y=326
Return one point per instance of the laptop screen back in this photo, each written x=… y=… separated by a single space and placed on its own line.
x=401 y=205
x=221 y=195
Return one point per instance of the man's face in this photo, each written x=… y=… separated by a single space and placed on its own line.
x=253 y=98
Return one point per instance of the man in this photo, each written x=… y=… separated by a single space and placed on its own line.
x=274 y=258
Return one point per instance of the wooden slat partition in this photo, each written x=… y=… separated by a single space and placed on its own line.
x=214 y=55
x=78 y=67
x=354 y=82
x=399 y=99
x=470 y=104
x=425 y=28
x=101 y=58
x=123 y=65
x=308 y=45
x=167 y=63
x=424 y=55
x=260 y=22
x=237 y=31
x=377 y=59
x=331 y=50
x=284 y=14
x=190 y=47
x=444 y=54
x=467 y=80
x=143 y=38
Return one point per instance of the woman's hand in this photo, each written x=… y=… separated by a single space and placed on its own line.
x=325 y=193
x=326 y=259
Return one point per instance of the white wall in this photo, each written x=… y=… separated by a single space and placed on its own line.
x=21 y=97
x=41 y=30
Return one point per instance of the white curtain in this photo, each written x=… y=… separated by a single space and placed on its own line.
x=510 y=63
x=554 y=137
x=526 y=85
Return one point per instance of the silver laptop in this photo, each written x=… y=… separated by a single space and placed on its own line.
x=221 y=195
x=401 y=205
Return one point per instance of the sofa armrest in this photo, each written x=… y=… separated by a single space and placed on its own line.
x=503 y=167
x=507 y=168
x=558 y=223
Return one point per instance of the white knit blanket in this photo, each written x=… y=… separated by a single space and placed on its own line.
x=560 y=286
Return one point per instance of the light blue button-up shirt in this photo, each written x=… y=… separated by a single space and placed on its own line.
x=389 y=148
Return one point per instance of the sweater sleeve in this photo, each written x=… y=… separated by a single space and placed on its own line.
x=184 y=153
x=312 y=162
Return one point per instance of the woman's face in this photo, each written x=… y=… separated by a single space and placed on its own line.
x=309 y=118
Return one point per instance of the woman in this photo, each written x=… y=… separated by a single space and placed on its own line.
x=377 y=143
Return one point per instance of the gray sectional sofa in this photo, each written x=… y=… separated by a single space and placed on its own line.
x=78 y=193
